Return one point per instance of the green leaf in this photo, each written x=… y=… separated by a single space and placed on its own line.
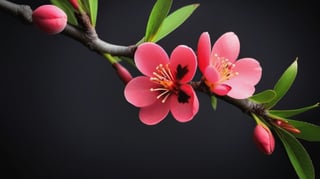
x=297 y=154
x=309 y=132
x=174 y=20
x=158 y=13
x=292 y=112
x=284 y=83
x=214 y=102
x=91 y=7
x=68 y=9
x=264 y=96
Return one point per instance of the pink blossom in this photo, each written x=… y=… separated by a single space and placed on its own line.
x=223 y=73
x=164 y=86
x=264 y=139
x=49 y=19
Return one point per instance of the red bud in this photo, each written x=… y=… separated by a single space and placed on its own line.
x=264 y=139
x=122 y=72
x=74 y=4
x=49 y=19
x=285 y=125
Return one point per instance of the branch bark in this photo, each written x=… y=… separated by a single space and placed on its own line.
x=91 y=40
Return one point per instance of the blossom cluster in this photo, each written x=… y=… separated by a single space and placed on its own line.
x=165 y=85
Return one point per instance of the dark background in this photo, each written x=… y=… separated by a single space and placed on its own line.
x=63 y=113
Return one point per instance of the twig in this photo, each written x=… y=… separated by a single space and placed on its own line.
x=91 y=40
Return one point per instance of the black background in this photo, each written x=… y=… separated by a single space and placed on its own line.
x=63 y=113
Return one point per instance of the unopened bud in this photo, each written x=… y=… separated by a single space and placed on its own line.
x=285 y=125
x=264 y=139
x=75 y=4
x=122 y=72
x=49 y=19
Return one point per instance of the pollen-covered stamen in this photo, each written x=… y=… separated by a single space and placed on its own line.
x=224 y=67
x=163 y=77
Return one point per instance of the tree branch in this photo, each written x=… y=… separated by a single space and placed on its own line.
x=91 y=40
x=245 y=105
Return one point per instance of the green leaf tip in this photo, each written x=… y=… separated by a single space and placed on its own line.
x=284 y=83
x=174 y=20
x=160 y=24
x=292 y=112
x=158 y=13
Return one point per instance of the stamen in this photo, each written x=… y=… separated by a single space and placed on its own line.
x=163 y=76
x=224 y=67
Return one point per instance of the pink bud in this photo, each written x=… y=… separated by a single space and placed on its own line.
x=122 y=72
x=264 y=139
x=49 y=19
x=74 y=4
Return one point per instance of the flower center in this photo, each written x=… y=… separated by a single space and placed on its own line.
x=224 y=67
x=163 y=76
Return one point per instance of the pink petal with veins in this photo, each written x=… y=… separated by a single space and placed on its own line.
x=137 y=92
x=148 y=56
x=227 y=46
x=249 y=75
x=249 y=71
x=183 y=58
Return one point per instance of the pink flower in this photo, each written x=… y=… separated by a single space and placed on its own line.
x=264 y=139
x=165 y=85
x=49 y=19
x=222 y=73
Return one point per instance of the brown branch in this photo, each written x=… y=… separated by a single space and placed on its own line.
x=91 y=40
x=245 y=105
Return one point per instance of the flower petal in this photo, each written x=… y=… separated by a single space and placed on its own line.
x=137 y=92
x=148 y=56
x=221 y=89
x=204 y=51
x=184 y=111
x=183 y=63
x=249 y=75
x=211 y=74
x=241 y=90
x=249 y=71
x=227 y=46
x=155 y=113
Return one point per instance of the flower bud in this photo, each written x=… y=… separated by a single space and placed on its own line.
x=122 y=72
x=285 y=125
x=75 y=4
x=49 y=19
x=264 y=139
